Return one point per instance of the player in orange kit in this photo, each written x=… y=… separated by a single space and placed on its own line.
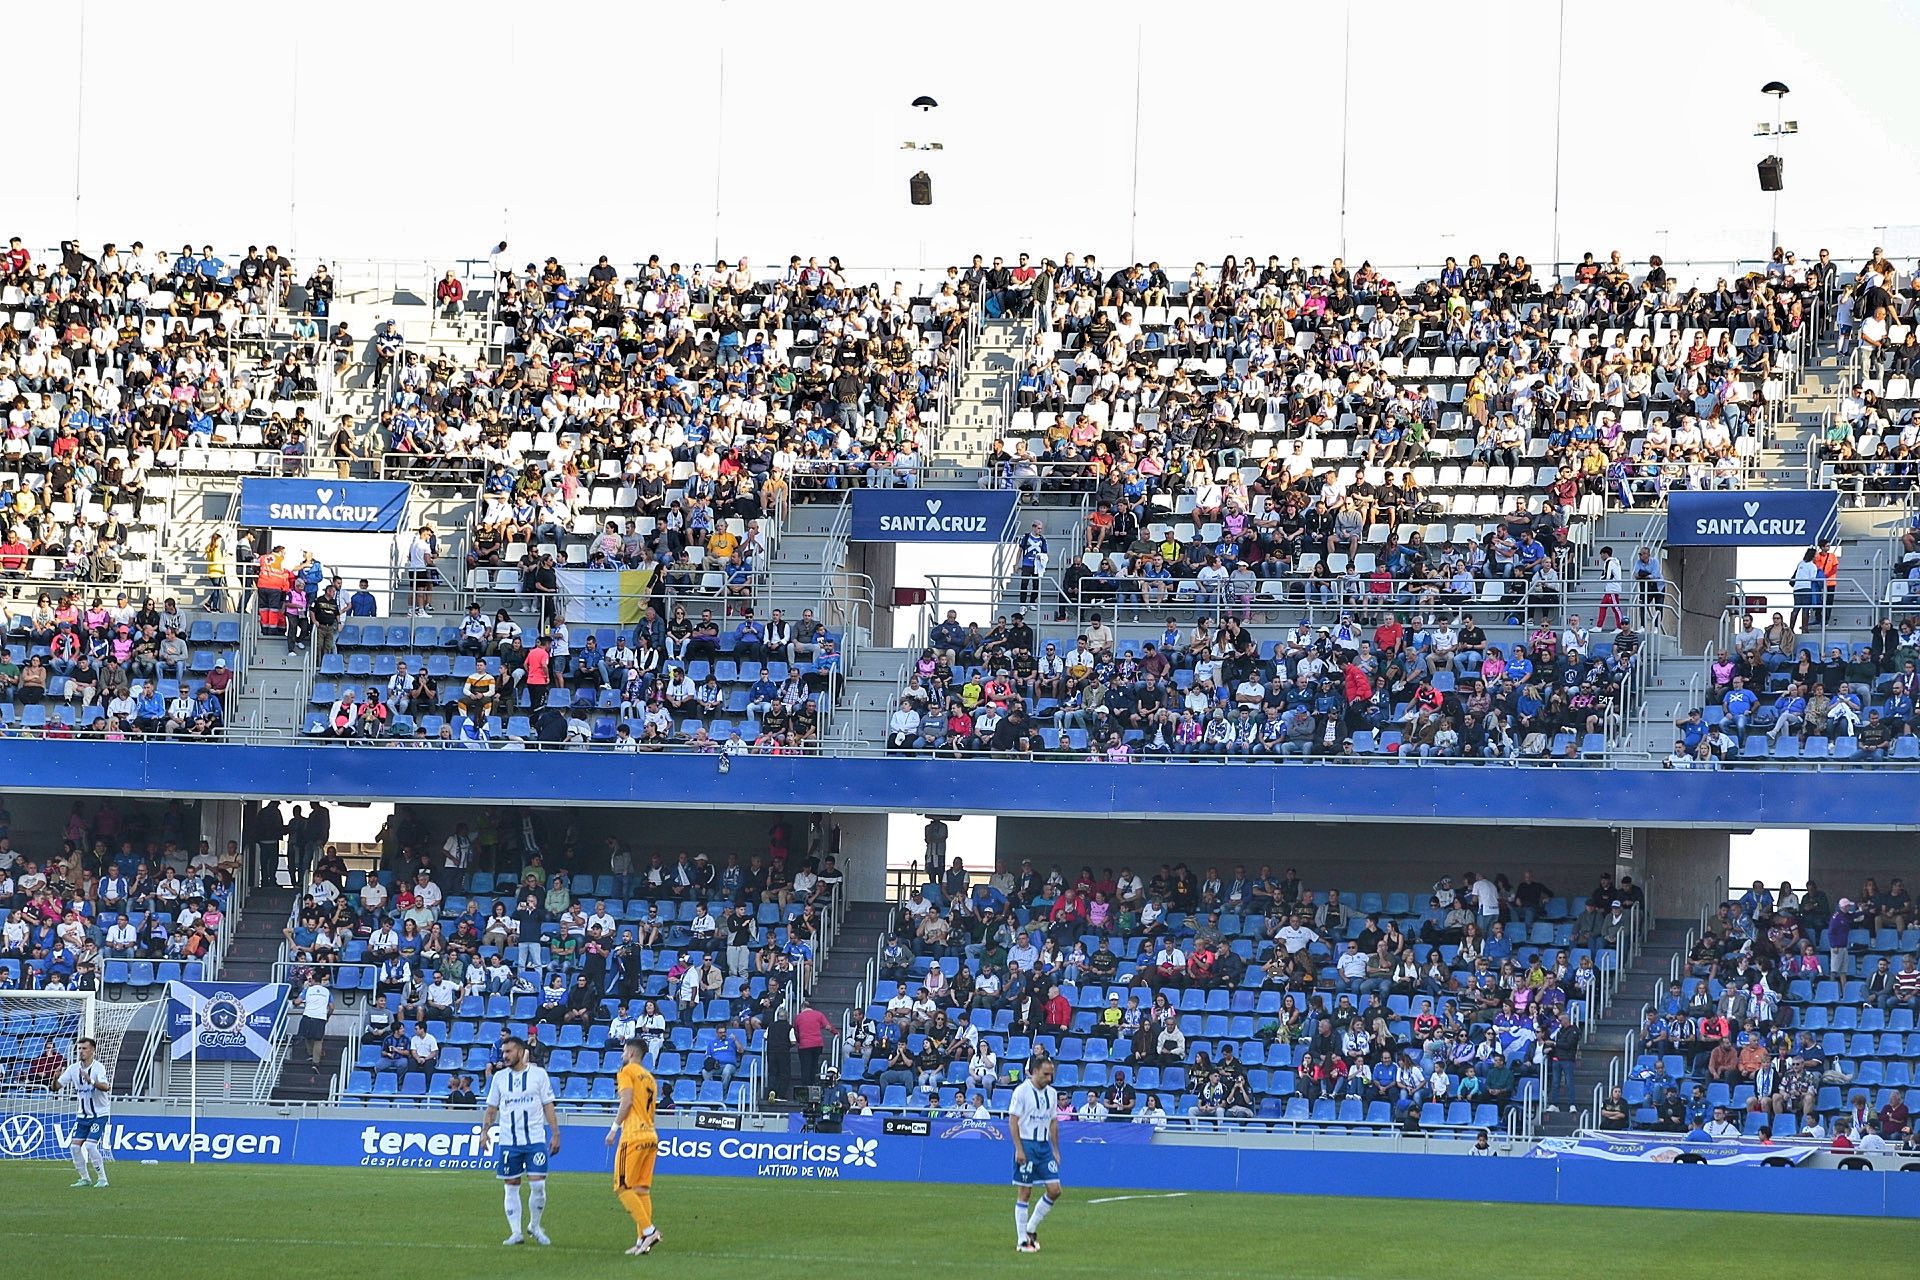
x=639 y=1145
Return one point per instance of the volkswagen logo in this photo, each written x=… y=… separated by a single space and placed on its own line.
x=21 y=1135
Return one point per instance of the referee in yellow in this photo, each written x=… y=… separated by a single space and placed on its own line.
x=639 y=1145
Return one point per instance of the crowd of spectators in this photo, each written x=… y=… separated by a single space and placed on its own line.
x=123 y=886
x=1624 y=384
x=1772 y=694
x=1793 y=1018
x=697 y=394
x=113 y=363
x=79 y=665
x=695 y=956
x=673 y=681
x=1236 y=994
x=1870 y=439
x=1431 y=686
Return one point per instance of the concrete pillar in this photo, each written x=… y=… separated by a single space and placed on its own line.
x=1702 y=574
x=879 y=561
x=220 y=821
x=1839 y=861
x=863 y=854
x=1686 y=870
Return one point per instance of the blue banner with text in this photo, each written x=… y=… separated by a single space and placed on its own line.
x=316 y=502
x=1751 y=517
x=932 y=515
x=381 y=1141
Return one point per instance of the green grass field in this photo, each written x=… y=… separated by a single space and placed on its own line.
x=351 y=1224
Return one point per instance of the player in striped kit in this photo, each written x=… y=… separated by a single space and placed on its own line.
x=1036 y=1151
x=92 y=1085
x=520 y=1100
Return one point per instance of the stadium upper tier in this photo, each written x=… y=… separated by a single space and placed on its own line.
x=1412 y=456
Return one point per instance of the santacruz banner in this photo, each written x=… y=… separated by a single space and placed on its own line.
x=932 y=515
x=1751 y=517
x=338 y=506
x=1668 y=1149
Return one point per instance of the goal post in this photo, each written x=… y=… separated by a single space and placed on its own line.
x=38 y=1032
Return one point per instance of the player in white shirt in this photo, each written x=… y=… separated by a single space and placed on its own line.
x=92 y=1085
x=1033 y=1115
x=520 y=1101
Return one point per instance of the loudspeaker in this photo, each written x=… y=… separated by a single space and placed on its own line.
x=1771 y=177
x=920 y=188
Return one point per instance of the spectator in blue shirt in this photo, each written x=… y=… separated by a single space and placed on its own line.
x=149 y=710
x=749 y=638
x=363 y=605
x=1738 y=706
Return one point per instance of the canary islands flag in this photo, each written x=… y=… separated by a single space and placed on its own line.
x=604 y=597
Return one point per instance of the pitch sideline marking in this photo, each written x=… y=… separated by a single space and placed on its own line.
x=1170 y=1195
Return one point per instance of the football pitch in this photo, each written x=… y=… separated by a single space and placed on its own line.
x=351 y=1224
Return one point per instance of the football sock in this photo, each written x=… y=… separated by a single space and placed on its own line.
x=639 y=1207
x=91 y=1150
x=536 y=1203
x=1041 y=1208
x=513 y=1208
x=1019 y=1221
x=80 y=1158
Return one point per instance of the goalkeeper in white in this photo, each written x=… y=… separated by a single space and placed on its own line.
x=92 y=1085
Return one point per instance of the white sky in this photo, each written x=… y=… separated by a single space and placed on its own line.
x=430 y=130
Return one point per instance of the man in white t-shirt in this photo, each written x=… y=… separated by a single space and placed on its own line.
x=316 y=1006
x=373 y=896
x=1486 y=901
x=122 y=938
x=459 y=848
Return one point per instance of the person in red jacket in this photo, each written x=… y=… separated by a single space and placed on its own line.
x=1059 y=1014
x=811 y=1030
x=449 y=293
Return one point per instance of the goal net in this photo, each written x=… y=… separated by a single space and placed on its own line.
x=38 y=1030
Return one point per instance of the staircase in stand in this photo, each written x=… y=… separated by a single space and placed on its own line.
x=1643 y=980
x=846 y=967
x=257 y=937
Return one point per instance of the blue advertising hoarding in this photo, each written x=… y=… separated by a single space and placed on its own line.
x=223 y=1021
x=316 y=502
x=932 y=515
x=379 y=1141
x=1751 y=517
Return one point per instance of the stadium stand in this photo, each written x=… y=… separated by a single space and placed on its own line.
x=1795 y=1011
x=1438 y=686
x=1239 y=997
x=123 y=907
x=698 y=964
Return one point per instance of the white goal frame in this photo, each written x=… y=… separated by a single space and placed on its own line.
x=31 y=1113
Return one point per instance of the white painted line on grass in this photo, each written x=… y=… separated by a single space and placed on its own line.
x=1171 y=1195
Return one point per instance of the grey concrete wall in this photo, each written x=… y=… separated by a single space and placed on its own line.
x=1702 y=574
x=1685 y=870
x=1359 y=857
x=1839 y=861
x=863 y=854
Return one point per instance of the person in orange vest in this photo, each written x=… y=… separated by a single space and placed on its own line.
x=1826 y=558
x=273 y=582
